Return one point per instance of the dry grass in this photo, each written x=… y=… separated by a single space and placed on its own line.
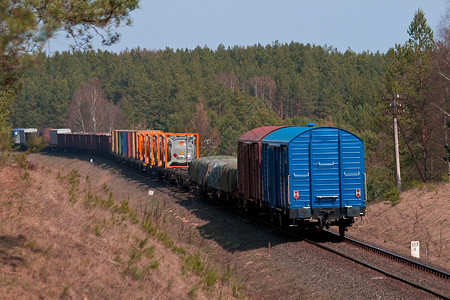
x=63 y=236
x=421 y=215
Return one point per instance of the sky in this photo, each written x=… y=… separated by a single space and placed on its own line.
x=359 y=25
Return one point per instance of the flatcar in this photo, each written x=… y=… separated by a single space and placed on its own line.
x=154 y=148
x=151 y=151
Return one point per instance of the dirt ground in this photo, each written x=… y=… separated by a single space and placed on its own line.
x=59 y=238
x=421 y=215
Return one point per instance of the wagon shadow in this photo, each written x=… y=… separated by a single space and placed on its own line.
x=234 y=232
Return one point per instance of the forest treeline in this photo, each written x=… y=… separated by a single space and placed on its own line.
x=238 y=88
x=225 y=92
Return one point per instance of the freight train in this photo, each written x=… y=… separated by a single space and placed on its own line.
x=298 y=176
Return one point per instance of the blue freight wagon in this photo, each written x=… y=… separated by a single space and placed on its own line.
x=20 y=136
x=313 y=174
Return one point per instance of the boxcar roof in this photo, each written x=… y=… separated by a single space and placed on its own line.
x=256 y=134
x=287 y=134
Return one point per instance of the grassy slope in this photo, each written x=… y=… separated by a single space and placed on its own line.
x=62 y=236
x=421 y=215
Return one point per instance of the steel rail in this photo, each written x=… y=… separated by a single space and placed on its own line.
x=300 y=237
x=358 y=261
x=378 y=270
x=396 y=257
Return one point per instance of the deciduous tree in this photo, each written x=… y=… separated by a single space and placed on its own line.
x=90 y=111
x=208 y=137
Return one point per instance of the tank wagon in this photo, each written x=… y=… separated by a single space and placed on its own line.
x=154 y=148
x=307 y=176
x=152 y=151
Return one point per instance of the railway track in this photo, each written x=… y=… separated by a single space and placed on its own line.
x=442 y=292
x=443 y=278
x=442 y=289
x=395 y=257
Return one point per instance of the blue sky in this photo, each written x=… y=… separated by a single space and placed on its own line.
x=361 y=25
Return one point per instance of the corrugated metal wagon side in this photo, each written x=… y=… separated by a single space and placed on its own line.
x=314 y=174
x=249 y=162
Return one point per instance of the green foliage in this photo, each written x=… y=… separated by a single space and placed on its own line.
x=210 y=278
x=29 y=24
x=154 y=264
x=34 y=144
x=158 y=90
x=7 y=97
x=193 y=292
x=165 y=239
x=238 y=286
x=92 y=200
x=392 y=195
x=223 y=93
x=179 y=250
x=149 y=252
x=380 y=180
x=416 y=184
x=73 y=181
x=21 y=160
x=139 y=256
x=409 y=74
x=5 y=143
x=148 y=226
x=25 y=28
x=126 y=210
x=193 y=263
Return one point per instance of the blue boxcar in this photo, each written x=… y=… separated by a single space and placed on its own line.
x=15 y=135
x=314 y=172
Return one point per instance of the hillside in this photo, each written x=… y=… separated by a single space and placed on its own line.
x=66 y=235
x=421 y=215
x=75 y=229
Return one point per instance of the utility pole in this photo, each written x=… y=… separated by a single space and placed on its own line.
x=398 y=179
x=394 y=104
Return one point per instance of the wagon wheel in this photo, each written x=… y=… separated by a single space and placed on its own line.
x=341 y=228
x=280 y=220
x=244 y=205
x=272 y=215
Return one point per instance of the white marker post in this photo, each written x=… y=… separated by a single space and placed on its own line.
x=415 y=249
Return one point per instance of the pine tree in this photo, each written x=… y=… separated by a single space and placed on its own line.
x=409 y=74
